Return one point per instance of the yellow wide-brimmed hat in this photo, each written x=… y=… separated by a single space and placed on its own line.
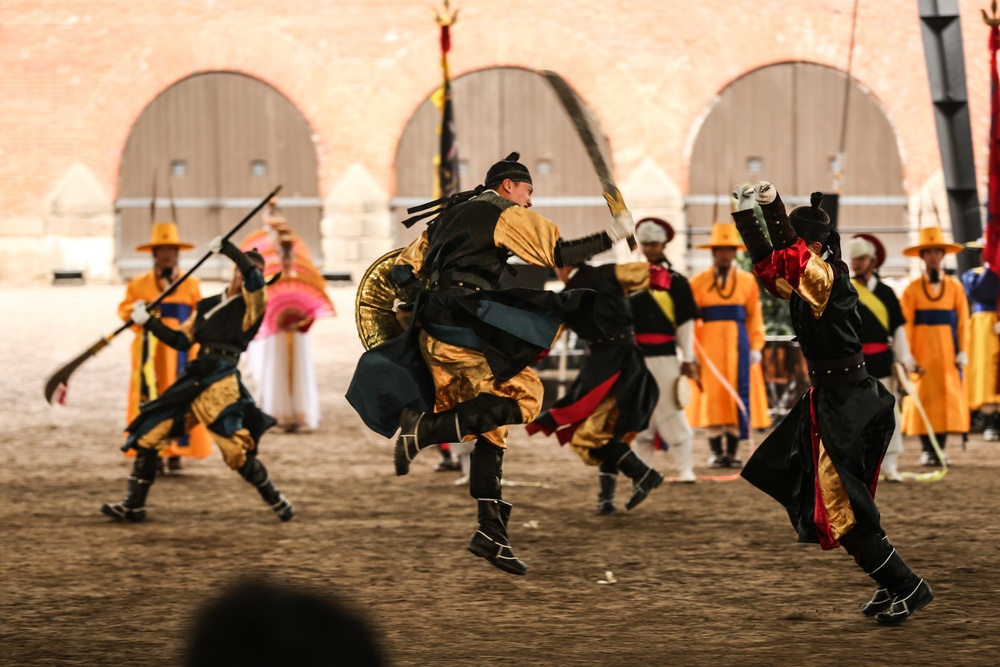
x=931 y=237
x=164 y=233
x=724 y=235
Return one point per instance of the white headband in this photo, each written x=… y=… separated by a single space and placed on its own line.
x=859 y=247
x=650 y=232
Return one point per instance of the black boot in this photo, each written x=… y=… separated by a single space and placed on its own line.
x=606 y=498
x=254 y=472
x=900 y=592
x=418 y=430
x=717 y=459
x=133 y=508
x=644 y=479
x=490 y=540
x=732 y=447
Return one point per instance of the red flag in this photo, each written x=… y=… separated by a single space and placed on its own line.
x=992 y=243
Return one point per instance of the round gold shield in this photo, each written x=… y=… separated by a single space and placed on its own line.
x=377 y=293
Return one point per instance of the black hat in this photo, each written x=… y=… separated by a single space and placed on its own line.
x=811 y=222
x=509 y=167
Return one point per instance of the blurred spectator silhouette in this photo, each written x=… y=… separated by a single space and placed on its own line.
x=259 y=623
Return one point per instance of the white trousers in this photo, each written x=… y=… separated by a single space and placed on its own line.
x=891 y=459
x=667 y=420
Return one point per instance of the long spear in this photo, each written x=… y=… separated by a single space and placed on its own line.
x=58 y=383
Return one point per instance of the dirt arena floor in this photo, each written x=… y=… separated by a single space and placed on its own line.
x=704 y=574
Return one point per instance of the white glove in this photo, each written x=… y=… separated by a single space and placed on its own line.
x=621 y=227
x=744 y=197
x=755 y=357
x=764 y=192
x=961 y=360
x=996 y=328
x=910 y=364
x=139 y=313
x=215 y=245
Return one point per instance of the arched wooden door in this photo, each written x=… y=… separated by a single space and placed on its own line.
x=783 y=123
x=497 y=111
x=223 y=141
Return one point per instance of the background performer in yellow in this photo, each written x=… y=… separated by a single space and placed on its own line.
x=937 y=314
x=730 y=334
x=155 y=366
x=983 y=286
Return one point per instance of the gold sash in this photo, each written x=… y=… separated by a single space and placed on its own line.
x=666 y=304
x=872 y=303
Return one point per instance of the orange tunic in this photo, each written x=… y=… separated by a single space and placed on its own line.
x=719 y=341
x=936 y=329
x=166 y=362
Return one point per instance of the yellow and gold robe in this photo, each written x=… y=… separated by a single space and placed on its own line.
x=155 y=365
x=725 y=311
x=936 y=329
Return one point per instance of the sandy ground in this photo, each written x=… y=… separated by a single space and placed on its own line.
x=705 y=574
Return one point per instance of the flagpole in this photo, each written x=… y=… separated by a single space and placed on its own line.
x=446 y=174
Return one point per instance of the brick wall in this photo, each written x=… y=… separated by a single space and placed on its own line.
x=77 y=74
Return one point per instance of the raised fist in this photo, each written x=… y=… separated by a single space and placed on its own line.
x=764 y=192
x=622 y=227
x=744 y=197
x=139 y=313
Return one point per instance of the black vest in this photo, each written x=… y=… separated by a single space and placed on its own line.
x=461 y=243
x=224 y=329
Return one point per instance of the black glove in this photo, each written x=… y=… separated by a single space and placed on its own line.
x=577 y=251
x=244 y=263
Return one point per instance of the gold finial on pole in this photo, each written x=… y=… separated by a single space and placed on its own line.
x=991 y=21
x=445 y=19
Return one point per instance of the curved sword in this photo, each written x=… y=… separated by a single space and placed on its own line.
x=593 y=140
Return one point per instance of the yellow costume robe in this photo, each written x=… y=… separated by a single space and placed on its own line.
x=982 y=345
x=163 y=363
x=936 y=329
x=723 y=313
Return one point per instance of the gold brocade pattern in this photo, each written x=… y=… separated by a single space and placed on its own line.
x=597 y=430
x=461 y=374
x=412 y=254
x=528 y=235
x=256 y=301
x=206 y=408
x=815 y=284
x=633 y=276
x=783 y=289
x=834 y=496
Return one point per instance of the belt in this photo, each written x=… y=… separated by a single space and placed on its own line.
x=615 y=340
x=219 y=352
x=837 y=372
x=459 y=279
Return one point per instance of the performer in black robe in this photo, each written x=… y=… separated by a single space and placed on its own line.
x=209 y=389
x=822 y=461
x=614 y=394
x=461 y=370
x=883 y=329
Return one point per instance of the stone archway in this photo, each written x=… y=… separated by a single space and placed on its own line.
x=220 y=141
x=782 y=123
